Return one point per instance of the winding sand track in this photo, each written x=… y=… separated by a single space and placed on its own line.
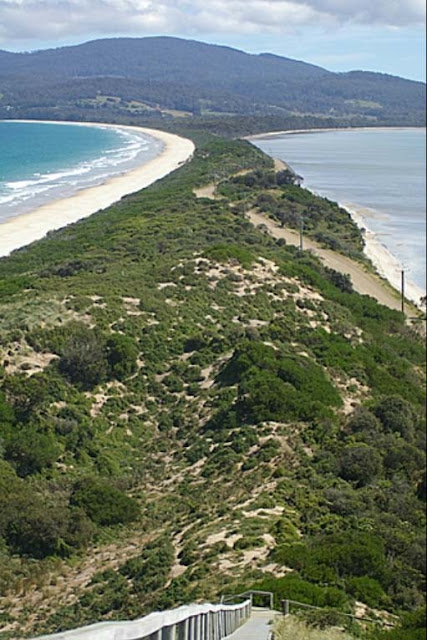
x=363 y=282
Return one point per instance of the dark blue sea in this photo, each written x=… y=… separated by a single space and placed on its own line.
x=41 y=162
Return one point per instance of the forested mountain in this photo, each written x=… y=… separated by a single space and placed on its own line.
x=162 y=73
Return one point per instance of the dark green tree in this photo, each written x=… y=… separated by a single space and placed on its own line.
x=122 y=354
x=360 y=464
x=397 y=415
x=103 y=503
x=84 y=358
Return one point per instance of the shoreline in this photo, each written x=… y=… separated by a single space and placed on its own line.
x=285 y=132
x=384 y=261
x=25 y=228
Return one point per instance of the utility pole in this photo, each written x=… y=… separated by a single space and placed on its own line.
x=301 y=234
x=403 y=291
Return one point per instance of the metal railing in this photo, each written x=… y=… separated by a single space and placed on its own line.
x=286 y=609
x=193 y=622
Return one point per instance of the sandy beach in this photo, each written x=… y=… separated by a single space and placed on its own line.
x=386 y=264
x=23 y=229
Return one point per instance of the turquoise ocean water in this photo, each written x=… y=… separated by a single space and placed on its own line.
x=377 y=173
x=41 y=162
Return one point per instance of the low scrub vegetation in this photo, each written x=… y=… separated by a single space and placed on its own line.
x=190 y=408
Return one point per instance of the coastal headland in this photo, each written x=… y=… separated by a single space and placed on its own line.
x=23 y=229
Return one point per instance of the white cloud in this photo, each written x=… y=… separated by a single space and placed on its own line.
x=26 y=20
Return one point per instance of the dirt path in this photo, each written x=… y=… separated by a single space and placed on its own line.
x=364 y=282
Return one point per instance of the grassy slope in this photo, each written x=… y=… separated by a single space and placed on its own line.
x=230 y=431
x=293 y=628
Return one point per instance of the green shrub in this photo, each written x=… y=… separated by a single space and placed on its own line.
x=368 y=591
x=84 y=358
x=174 y=383
x=31 y=451
x=226 y=253
x=396 y=415
x=122 y=354
x=149 y=571
x=363 y=420
x=273 y=387
x=292 y=587
x=103 y=503
x=38 y=531
x=248 y=542
x=360 y=464
x=329 y=558
x=284 y=531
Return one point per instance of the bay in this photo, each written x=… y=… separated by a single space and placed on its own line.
x=41 y=162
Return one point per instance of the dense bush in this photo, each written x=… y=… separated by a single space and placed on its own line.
x=360 y=464
x=330 y=558
x=103 y=503
x=41 y=532
x=226 y=253
x=83 y=358
x=274 y=387
x=31 y=451
x=369 y=591
x=122 y=354
x=292 y=587
x=397 y=415
x=363 y=420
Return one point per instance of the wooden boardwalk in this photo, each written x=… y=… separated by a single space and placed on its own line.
x=256 y=628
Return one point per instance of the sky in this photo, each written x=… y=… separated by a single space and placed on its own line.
x=376 y=35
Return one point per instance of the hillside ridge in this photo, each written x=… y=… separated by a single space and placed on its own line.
x=145 y=77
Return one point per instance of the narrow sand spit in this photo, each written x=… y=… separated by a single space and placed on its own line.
x=21 y=230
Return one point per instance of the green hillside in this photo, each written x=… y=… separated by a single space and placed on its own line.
x=189 y=407
x=150 y=77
